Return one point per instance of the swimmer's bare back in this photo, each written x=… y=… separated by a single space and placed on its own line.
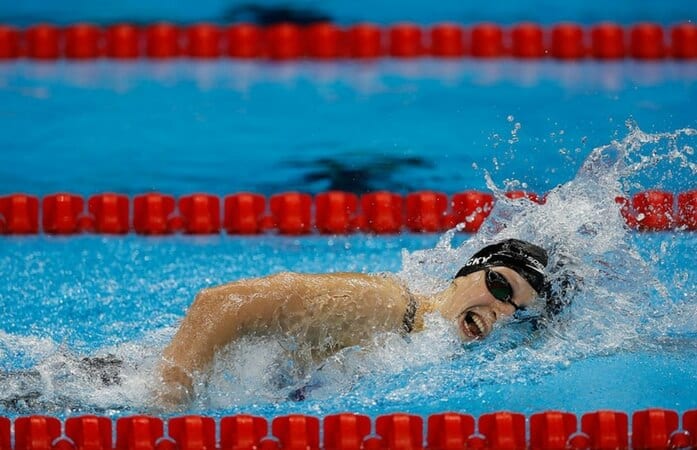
x=325 y=312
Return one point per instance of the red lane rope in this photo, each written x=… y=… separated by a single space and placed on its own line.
x=655 y=429
x=296 y=213
x=327 y=41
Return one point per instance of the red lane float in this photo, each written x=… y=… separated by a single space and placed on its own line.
x=449 y=431
x=683 y=39
x=296 y=431
x=487 y=41
x=291 y=213
x=61 y=213
x=567 y=41
x=9 y=42
x=284 y=41
x=244 y=41
x=200 y=213
x=89 y=432
x=400 y=431
x=382 y=212
x=43 y=41
x=110 y=212
x=426 y=211
x=138 y=432
x=606 y=429
x=579 y=441
x=203 y=41
x=122 y=41
x=607 y=41
x=345 y=431
x=527 y=41
x=324 y=41
x=5 y=438
x=242 y=432
x=152 y=213
x=653 y=210
x=192 y=432
x=36 y=432
x=82 y=41
x=551 y=430
x=653 y=428
x=679 y=439
x=471 y=208
x=20 y=213
x=503 y=430
x=334 y=211
x=405 y=41
x=162 y=40
x=447 y=41
x=364 y=41
x=244 y=213
x=687 y=210
x=689 y=424
x=646 y=41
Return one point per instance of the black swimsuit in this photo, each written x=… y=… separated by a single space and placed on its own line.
x=410 y=315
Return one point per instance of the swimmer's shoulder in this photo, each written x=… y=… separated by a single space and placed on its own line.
x=385 y=280
x=340 y=283
x=387 y=284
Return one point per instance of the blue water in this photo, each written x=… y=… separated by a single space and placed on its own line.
x=346 y=11
x=223 y=127
x=93 y=295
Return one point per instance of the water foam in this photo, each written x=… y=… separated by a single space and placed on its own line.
x=620 y=303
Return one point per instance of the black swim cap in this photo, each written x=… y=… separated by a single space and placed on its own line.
x=528 y=260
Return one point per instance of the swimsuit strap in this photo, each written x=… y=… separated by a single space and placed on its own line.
x=409 y=315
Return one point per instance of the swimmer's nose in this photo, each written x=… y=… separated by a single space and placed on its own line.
x=500 y=309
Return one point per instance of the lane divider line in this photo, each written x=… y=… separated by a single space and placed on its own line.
x=327 y=41
x=297 y=213
x=654 y=428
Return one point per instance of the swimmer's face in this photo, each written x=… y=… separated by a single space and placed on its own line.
x=475 y=309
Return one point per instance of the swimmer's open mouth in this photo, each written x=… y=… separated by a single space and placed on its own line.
x=473 y=325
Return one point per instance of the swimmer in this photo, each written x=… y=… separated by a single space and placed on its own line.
x=327 y=312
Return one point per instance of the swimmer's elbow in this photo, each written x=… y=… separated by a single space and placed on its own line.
x=175 y=387
x=204 y=301
x=202 y=296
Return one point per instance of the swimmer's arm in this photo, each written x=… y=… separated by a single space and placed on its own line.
x=217 y=317
x=276 y=304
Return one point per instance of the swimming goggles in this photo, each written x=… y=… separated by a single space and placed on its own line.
x=500 y=288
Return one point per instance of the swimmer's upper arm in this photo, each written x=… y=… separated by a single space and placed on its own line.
x=276 y=304
x=220 y=315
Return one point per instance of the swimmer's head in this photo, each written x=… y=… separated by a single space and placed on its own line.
x=528 y=260
x=496 y=282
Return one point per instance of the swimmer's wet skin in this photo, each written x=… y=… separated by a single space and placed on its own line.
x=327 y=312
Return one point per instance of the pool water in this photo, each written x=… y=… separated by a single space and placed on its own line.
x=584 y=131
x=619 y=345
x=227 y=126
x=65 y=298
x=346 y=11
